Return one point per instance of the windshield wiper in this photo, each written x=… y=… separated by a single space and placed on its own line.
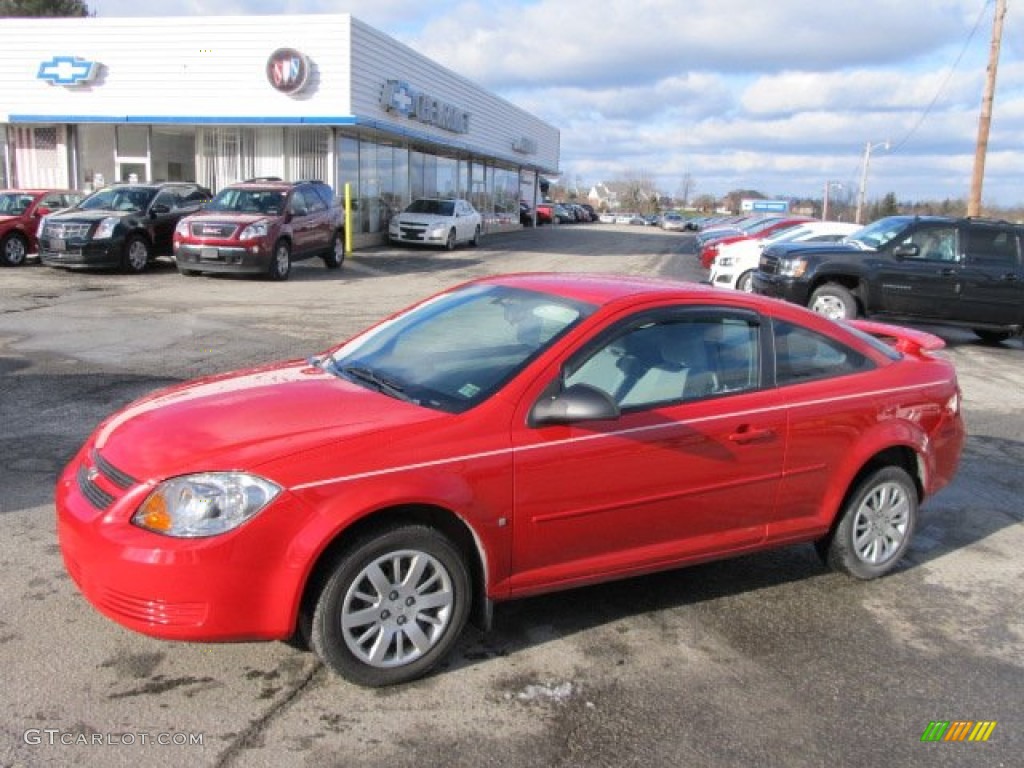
x=380 y=383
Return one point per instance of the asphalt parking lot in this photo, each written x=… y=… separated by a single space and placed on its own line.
x=767 y=660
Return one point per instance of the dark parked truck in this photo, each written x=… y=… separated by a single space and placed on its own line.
x=956 y=271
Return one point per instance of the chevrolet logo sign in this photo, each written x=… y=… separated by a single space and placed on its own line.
x=68 y=70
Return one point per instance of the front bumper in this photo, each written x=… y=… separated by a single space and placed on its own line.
x=786 y=288
x=251 y=260
x=241 y=585
x=103 y=254
x=722 y=277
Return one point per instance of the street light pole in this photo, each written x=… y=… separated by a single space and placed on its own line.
x=864 y=178
x=824 y=204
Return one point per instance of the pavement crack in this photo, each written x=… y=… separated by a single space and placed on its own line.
x=250 y=737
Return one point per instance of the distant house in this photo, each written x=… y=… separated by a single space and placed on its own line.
x=600 y=196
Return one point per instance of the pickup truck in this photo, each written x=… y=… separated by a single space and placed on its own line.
x=955 y=271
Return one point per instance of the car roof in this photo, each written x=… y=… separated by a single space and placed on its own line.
x=600 y=288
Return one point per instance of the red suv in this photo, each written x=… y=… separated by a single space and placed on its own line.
x=21 y=210
x=260 y=227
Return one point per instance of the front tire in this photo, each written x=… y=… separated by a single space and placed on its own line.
x=746 y=282
x=835 y=302
x=13 y=250
x=281 y=261
x=475 y=242
x=392 y=608
x=136 y=255
x=877 y=523
x=449 y=244
x=335 y=255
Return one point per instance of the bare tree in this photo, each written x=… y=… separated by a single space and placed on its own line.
x=686 y=186
x=14 y=8
x=637 y=192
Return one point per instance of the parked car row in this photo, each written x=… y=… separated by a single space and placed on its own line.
x=256 y=227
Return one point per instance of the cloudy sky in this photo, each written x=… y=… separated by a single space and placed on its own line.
x=779 y=96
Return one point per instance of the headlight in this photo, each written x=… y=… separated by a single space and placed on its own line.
x=254 y=230
x=792 y=267
x=204 y=505
x=437 y=230
x=725 y=261
x=106 y=228
x=181 y=228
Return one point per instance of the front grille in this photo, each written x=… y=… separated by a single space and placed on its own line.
x=768 y=264
x=98 y=497
x=212 y=229
x=93 y=479
x=412 y=233
x=151 y=611
x=119 y=478
x=66 y=231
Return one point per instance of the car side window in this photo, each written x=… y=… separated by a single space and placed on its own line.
x=804 y=355
x=297 y=204
x=678 y=359
x=933 y=243
x=313 y=202
x=169 y=197
x=992 y=245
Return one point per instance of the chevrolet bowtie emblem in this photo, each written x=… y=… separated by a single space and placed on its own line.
x=68 y=70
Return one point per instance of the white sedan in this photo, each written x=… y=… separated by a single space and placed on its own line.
x=437 y=221
x=735 y=263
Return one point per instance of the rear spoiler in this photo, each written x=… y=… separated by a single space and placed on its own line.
x=906 y=340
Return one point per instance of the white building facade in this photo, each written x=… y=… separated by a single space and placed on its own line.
x=90 y=101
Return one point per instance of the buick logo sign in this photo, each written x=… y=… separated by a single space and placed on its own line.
x=288 y=70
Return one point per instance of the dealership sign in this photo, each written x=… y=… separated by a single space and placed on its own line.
x=288 y=70
x=400 y=97
x=68 y=70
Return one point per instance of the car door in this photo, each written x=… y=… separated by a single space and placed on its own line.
x=163 y=214
x=918 y=274
x=316 y=225
x=991 y=277
x=829 y=408
x=689 y=468
x=465 y=223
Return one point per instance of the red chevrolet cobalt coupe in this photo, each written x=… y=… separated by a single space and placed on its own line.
x=510 y=436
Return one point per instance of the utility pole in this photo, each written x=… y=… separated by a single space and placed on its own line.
x=862 y=196
x=985 y=121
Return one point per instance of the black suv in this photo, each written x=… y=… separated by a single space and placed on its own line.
x=956 y=271
x=124 y=226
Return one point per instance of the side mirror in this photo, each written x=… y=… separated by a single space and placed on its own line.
x=159 y=210
x=906 y=251
x=580 y=402
x=42 y=211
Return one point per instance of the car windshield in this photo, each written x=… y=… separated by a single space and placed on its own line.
x=435 y=207
x=454 y=351
x=14 y=204
x=126 y=199
x=878 y=234
x=264 y=201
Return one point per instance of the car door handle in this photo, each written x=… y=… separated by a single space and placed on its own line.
x=947 y=272
x=1010 y=277
x=747 y=434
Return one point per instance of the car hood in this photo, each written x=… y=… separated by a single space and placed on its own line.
x=78 y=214
x=423 y=218
x=807 y=249
x=245 y=419
x=234 y=217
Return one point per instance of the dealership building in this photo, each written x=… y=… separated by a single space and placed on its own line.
x=88 y=102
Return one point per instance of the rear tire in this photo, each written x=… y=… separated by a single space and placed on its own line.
x=475 y=242
x=335 y=256
x=393 y=606
x=13 y=250
x=877 y=523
